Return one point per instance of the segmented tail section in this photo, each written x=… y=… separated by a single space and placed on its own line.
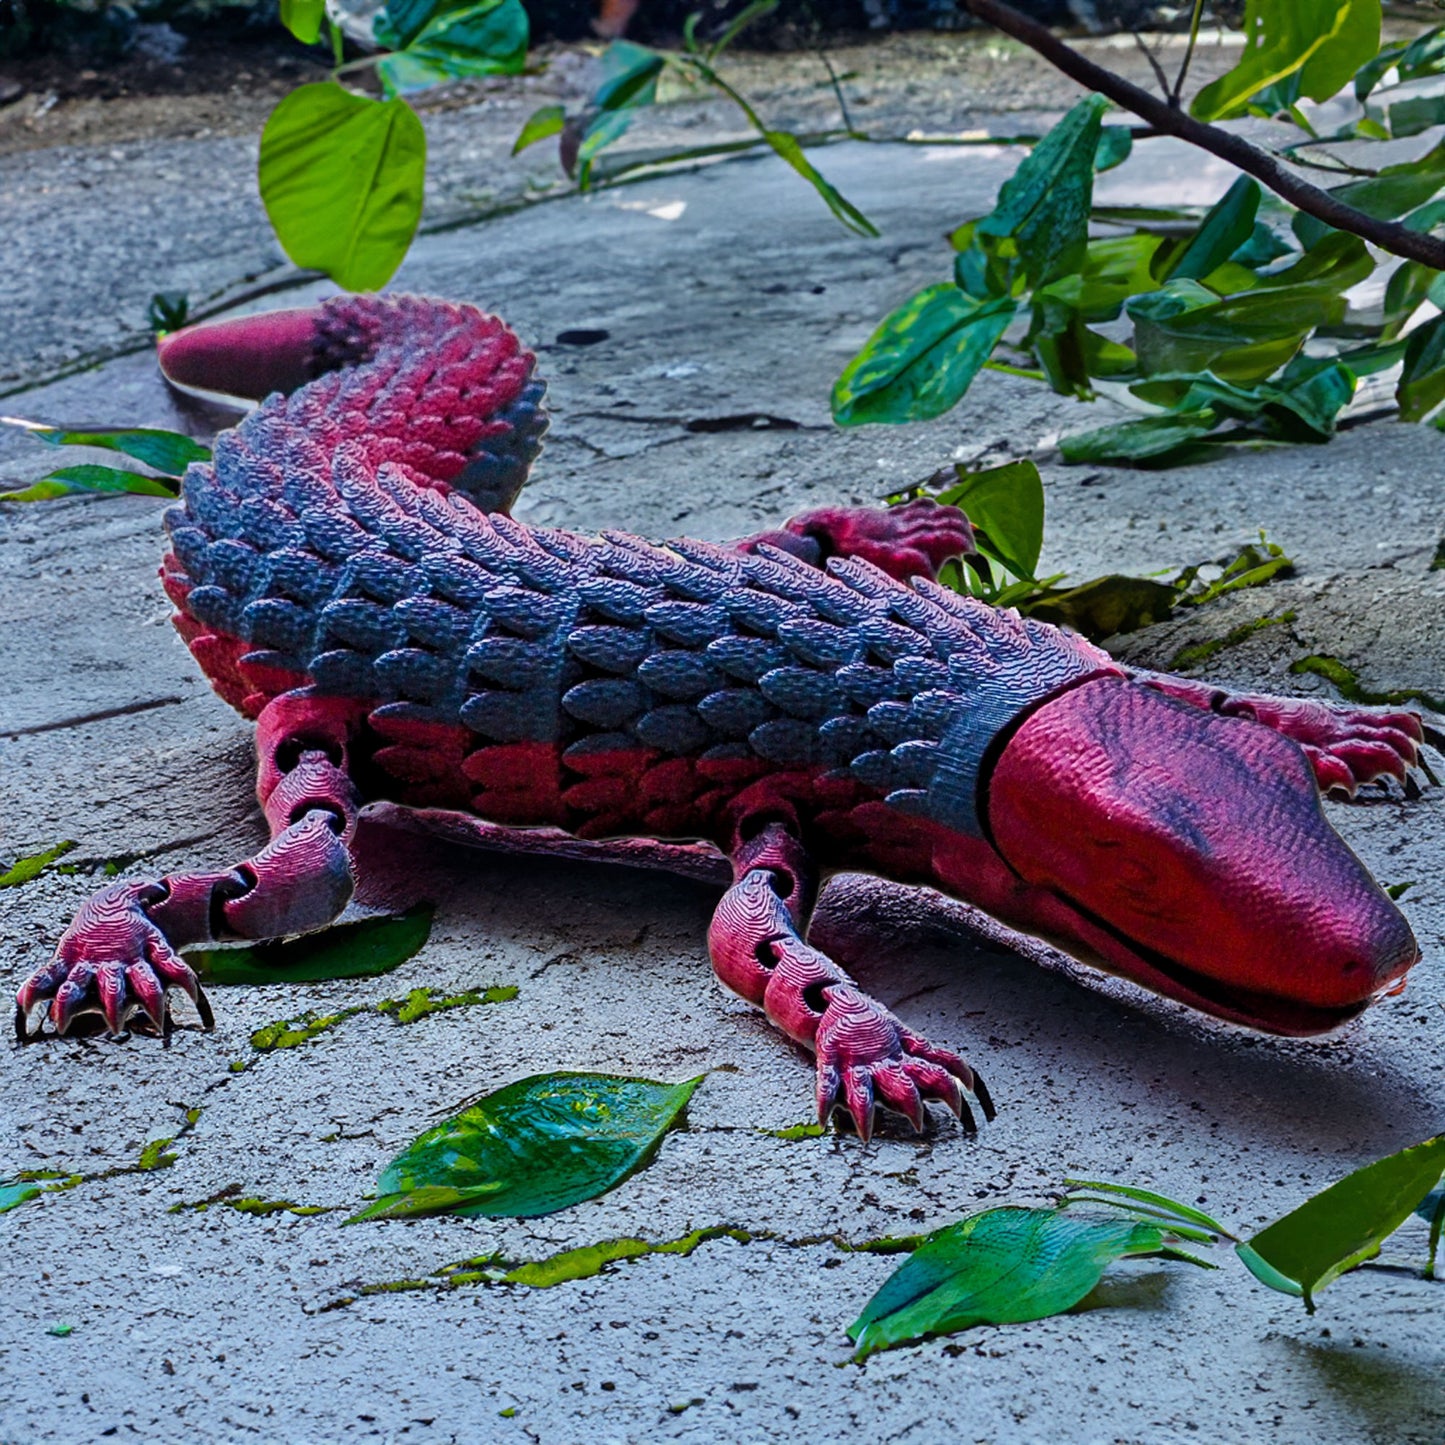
x=389 y=398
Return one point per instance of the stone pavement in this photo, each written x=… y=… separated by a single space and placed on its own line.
x=725 y=294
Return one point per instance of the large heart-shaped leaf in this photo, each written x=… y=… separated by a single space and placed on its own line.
x=341 y=178
x=537 y=1146
x=1006 y=504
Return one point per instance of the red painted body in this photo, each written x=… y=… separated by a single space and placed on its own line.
x=1171 y=832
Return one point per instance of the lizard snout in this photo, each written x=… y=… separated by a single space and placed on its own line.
x=1195 y=849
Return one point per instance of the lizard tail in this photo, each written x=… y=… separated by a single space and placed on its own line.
x=442 y=390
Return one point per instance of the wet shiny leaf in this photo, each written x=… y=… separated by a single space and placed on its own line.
x=922 y=358
x=1002 y=1266
x=534 y=1147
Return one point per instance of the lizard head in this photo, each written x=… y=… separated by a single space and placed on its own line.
x=1194 y=853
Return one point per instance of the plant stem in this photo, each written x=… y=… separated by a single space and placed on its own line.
x=1263 y=165
x=838 y=93
x=1188 y=54
x=1154 y=66
x=338 y=50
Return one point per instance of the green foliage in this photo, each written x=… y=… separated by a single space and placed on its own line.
x=1007 y=1264
x=1317 y=43
x=534 y=1147
x=1001 y=1266
x=341 y=177
x=303 y=19
x=454 y=42
x=1344 y=1225
x=1238 y=324
x=922 y=358
x=168 y=453
x=1005 y=507
x=629 y=77
x=23 y=870
x=353 y=950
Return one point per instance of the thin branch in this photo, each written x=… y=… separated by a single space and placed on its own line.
x=838 y=92
x=1153 y=62
x=1387 y=235
x=1194 y=20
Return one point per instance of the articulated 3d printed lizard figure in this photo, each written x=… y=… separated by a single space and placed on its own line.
x=346 y=573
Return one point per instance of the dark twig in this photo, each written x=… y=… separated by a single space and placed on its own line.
x=1154 y=64
x=1188 y=54
x=1263 y=165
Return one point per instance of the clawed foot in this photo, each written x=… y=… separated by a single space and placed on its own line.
x=1346 y=745
x=867 y=1057
x=115 y=962
x=913 y=540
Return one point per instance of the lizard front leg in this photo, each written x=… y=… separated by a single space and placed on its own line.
x=121 y=955
x=1346 y=744
x=865 y=1055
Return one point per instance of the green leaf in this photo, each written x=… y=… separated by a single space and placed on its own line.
x=354 y=950
x=399 y=22
x=788 y=147
x=164 y=451
x=1043 y=208
x=167 y=311
x=1162 y=1202
x=1116 y=142
x=1386 y=196
x=23 y=870
x=1105 y=606
x=1227 y=226
x=1184 y=327
x=547 y=120
x=1151 y=438
x=1422 y=383
x=341 y=178
x=922 y=358
x=66 y=480
x=1320 y=42
x=1001 y=1266
x=303 y=19
x=1343 y=1225
x=1006 y=505
x=15 y=1192
x=534 y=1147
x=629 y=76
x=740 y=22
x=488 y=37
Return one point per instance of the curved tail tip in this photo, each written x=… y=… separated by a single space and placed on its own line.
x=248 y=356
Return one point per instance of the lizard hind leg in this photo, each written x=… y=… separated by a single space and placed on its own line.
x=866 y=1057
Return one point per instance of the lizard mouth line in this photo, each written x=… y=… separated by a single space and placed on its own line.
x=1269 y=1012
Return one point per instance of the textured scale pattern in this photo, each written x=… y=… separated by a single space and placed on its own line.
x=662 y=680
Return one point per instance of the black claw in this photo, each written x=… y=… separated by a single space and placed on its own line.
x=203 y=1007
x=980 y=1092
x=965 y=1117
x=22 y=1026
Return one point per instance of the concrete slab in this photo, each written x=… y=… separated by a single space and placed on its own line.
x=223 y=1326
